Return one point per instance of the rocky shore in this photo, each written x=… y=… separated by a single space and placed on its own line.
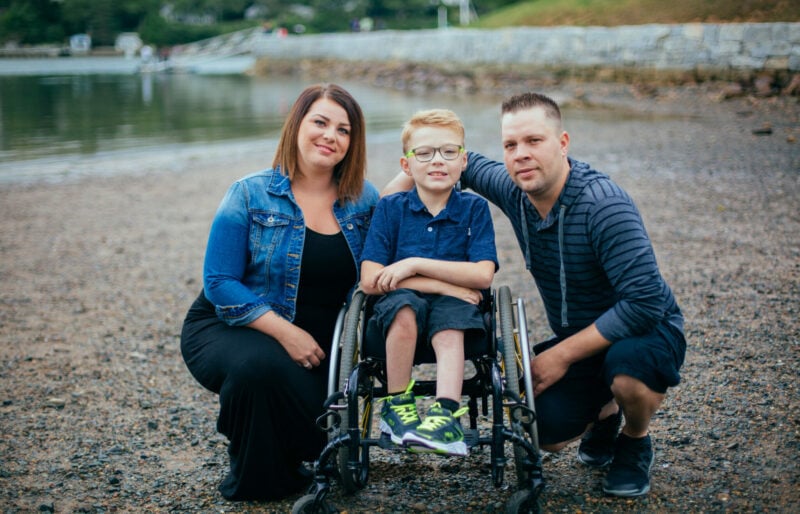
x=99 y=413
x=458 y=78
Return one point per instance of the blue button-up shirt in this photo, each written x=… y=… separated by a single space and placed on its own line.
x=402 y=227
x=255 y=246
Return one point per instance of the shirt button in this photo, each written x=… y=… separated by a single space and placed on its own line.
x=270 y=219
x=349 y=226
x=430 y=229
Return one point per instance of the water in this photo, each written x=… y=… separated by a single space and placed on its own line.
x=47 y=121
x=103 y=118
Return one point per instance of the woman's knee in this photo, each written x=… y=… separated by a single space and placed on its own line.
x=259 y=370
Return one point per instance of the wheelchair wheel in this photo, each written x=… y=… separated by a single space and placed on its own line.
x=521 y=502
x=353 y=480
x=514 y=367
x=305 y=505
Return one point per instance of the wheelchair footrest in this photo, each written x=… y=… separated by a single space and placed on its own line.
x=471 y=437
x=386 y=443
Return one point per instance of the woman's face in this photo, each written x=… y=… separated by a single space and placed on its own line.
x=323 y=137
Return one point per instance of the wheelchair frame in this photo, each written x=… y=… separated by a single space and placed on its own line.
x=502 y=374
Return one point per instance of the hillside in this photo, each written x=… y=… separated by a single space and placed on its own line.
x=638 y=12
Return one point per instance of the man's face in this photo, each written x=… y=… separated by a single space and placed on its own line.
x=534 y=151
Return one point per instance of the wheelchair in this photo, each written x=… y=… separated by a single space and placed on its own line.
x=501 y=381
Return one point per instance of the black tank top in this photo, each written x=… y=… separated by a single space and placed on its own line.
x=327 y=272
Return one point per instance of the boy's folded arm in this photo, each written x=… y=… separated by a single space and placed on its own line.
x=436 y=286
x=369 y=275
x=473 y=275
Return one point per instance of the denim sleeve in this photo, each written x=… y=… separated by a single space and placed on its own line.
x=227 y=254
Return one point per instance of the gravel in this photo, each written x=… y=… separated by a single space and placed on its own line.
x=99 y=413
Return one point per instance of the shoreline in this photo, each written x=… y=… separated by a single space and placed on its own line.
x=68 y=65
x=167 y=159
x=459 y=78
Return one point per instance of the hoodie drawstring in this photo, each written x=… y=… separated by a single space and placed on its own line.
x=562 y=271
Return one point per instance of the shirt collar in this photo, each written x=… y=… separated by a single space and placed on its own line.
x=449 y=212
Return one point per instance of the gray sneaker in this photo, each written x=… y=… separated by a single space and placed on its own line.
x=629 y=474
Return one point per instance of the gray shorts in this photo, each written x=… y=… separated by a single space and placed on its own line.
x=434 y=313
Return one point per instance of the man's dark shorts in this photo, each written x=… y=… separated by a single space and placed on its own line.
x=434 y=312
x=568 y=406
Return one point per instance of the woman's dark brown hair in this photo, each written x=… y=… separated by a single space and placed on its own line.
x=349 y=174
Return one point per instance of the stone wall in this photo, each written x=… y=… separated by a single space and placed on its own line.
x=721 y=49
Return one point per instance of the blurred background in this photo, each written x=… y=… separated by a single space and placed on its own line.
x=163 y=23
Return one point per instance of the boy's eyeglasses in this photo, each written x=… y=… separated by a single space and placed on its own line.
x=426 y=153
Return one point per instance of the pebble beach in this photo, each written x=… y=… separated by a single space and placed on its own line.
x=99 y=413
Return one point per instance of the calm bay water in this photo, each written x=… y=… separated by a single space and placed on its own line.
x=105 y=119
x=48 y=118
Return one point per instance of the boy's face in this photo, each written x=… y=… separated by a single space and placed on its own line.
x=437 y=174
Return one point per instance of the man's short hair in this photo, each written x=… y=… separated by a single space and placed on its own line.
x=529 y=101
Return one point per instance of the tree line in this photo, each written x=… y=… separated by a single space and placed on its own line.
x=158 y=22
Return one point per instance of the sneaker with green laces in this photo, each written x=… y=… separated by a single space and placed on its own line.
x=399 y=414
x=440 y=432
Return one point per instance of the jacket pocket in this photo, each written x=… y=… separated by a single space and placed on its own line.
x=268 y=238
x=355 y=230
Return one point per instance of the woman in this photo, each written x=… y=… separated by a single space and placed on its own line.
x=281 y=258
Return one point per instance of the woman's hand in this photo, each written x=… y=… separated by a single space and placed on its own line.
x=303 y=349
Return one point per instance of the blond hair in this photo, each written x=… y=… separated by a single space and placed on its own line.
x=444 y=118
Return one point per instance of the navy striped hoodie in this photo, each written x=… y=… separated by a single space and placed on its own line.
x=590 y=257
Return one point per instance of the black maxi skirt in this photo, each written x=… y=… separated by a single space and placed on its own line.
x=268 y=404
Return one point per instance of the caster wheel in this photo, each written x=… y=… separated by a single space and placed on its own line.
x=305 y=505
x=523 y=502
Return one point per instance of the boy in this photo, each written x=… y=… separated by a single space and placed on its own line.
x=430 y=252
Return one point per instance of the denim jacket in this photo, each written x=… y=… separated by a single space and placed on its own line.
x=252 y=263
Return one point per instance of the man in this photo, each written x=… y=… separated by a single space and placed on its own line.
x=619 y=340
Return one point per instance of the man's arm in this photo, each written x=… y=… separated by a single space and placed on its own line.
x=627 y=256
x=551 y=365
x=478 y=176
x=400 y=183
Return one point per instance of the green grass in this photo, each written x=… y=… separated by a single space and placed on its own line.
x=637 y=12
